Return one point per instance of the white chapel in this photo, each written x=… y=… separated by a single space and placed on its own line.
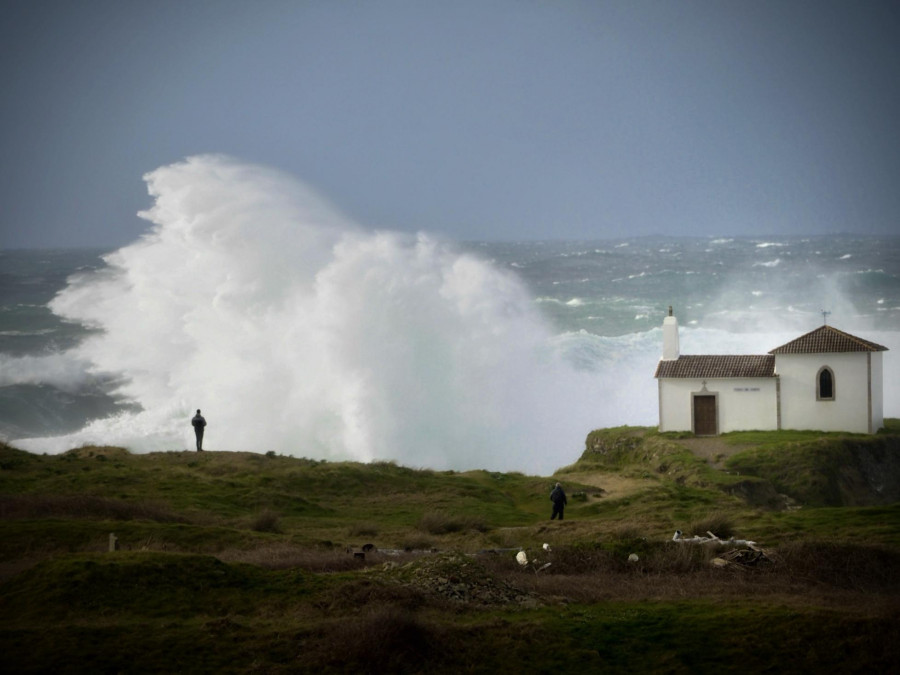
x=826 y=380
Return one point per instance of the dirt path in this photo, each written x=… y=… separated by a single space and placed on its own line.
x=612 y=484
x=712 y=448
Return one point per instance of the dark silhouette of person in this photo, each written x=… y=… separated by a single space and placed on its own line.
x=199 y=423
x=558 y=497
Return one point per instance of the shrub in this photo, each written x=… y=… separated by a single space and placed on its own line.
x=363 y=529
x=435 y=522
x=414 y=543
x=266 y=521
x=717 y=523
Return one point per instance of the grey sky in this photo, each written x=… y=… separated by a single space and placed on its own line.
x=478 y=120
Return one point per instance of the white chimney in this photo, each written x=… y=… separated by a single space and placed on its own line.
x=670 y=337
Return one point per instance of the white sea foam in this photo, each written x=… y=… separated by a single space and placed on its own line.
x=27 y=333
x=295 y=330
x=547 y=300
x=56 y=370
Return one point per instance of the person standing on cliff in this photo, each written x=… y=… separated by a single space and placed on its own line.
x=199 y=423
x=558 y=497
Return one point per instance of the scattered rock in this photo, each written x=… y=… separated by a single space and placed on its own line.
x=460 y=578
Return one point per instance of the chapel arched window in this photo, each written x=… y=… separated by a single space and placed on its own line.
x=825 y=385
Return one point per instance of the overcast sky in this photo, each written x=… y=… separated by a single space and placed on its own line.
x=477 y=120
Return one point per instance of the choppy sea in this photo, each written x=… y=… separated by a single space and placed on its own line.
x=399 y=335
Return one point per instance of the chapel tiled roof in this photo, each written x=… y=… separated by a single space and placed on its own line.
x=711 y=366
x=827 y=339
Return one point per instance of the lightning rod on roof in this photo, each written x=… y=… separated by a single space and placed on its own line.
x=825 y=314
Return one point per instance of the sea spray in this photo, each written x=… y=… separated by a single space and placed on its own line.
x=58 y=370
x=297 y=331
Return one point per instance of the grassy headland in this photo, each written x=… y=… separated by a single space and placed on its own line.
x=243 y=562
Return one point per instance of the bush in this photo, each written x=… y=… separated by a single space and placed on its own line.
x=363 y=529
x=717 y=523
x=435 y=522
x=414 y=543
x=266 y=521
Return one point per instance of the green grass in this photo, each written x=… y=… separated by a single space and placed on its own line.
x=874 y=524
x=706 y=637
x=180 y=614
x=766 y=438
x=241 y=562
x=828 y=471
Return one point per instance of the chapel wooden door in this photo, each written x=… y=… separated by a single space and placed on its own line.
x=705 y=416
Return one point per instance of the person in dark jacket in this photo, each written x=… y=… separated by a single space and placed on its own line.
x=199 y=423
x=558 y=497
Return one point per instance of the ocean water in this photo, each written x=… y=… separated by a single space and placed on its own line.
x=299 y=331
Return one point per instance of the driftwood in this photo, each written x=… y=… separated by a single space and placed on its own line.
x=743 y=552
x=712 y=539
x=745 y=557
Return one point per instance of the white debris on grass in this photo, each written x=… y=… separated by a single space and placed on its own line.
x=711 y=539
x=522 y=559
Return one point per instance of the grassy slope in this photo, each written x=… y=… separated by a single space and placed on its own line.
x=237 y=562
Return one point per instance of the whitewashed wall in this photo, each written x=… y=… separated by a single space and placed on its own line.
x=675 y=404
x=877 y=391
x=743 y=403
x=849 y=411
